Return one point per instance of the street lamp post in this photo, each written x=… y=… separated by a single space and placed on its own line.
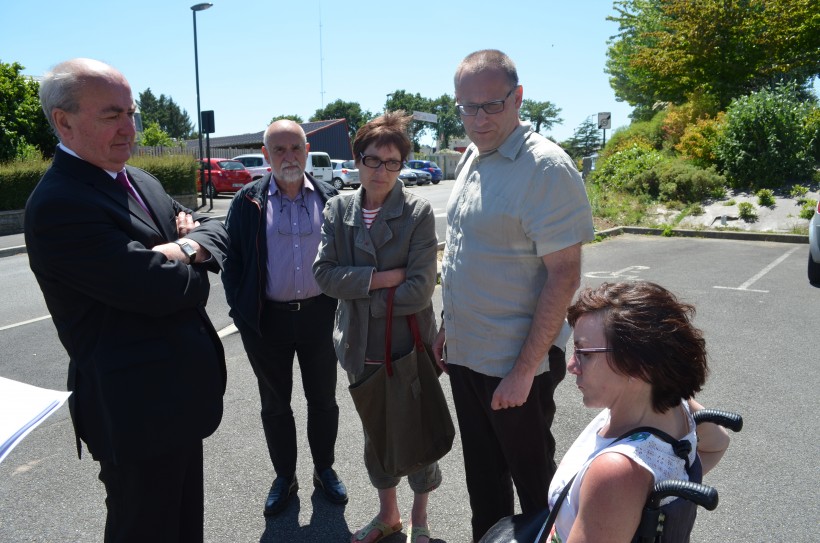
x=194 y=9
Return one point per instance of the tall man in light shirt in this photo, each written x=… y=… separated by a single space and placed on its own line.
x=516 y=219
x=275 y=228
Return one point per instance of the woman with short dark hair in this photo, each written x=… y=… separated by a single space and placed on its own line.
x=638 y=356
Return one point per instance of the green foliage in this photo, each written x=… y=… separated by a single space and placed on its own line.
x=294 y=118
x=621 y=171
x=177 y=173
x=807 y=209
x=730 y=202
x=765 y=198
x=642 y=133
x=680 y=180
x=17 y=180
x=449 y=121
x=813 y=130
x=667 y=49
x=22 y=121
x=699 y=140
x=765 y=142
x=617 y=207
x=351 y=111
x=584 y=141
x=154 y=136
x=798 y=191
x=540 y=114
x=746 y=211
x=166 y=113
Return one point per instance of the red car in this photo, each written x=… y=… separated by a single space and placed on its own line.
x=225 y=176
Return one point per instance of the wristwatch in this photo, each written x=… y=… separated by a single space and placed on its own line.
x=189 y=251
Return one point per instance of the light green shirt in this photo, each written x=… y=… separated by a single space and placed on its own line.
x=508 y=208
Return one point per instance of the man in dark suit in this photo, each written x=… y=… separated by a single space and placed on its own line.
x=275 y=228
x=124 y=272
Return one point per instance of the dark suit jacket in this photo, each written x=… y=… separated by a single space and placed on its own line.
x=145 y=363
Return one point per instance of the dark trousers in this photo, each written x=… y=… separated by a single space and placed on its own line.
x=157 y=499
x=307 y=333
x=506 y=446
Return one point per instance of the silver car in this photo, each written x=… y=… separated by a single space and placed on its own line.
x=423 y=177
x=345 y=174
x=814 y=247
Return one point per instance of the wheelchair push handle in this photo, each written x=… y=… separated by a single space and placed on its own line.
x=702 y=495
x=727 y=419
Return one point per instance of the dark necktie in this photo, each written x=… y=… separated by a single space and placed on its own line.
x=123 y=180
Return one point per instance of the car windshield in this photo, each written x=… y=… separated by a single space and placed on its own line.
x=231 y=165
x=433 y=165
x=320 y=161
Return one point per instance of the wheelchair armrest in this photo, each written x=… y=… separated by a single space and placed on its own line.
x=702 y=495
x=727 y=419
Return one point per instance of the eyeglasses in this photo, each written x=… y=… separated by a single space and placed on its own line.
x=580 y=354
x=374 y=162
x=490 y=108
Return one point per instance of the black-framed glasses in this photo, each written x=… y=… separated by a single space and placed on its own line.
x=374 y=162
x=490 y=108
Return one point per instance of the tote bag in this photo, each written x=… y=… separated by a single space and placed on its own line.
x=403 y=408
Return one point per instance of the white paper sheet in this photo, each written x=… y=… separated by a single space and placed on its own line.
x=22 y=408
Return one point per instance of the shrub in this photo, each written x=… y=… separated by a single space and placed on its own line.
x=729 y=202
x=620 y=171
x=176 y=172
x=765 y=198
x=698 y=106
x=700 y=140
x=746 y=211
x=765 y=141
x=17 y=180
x=640 y=133
x=680 y=180
x=807 y=210
x=798 y=191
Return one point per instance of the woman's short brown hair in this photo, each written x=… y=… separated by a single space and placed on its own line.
x=385 y=130
x=652 y=338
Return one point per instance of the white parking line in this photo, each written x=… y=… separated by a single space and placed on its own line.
x=15 y=325
x=764 y=271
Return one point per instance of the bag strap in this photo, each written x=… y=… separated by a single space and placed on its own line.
x=681 y=447
x=388 y=332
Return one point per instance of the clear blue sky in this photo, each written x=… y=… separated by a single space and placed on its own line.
x=259 y=59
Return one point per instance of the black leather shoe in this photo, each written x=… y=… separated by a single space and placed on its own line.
x=279 y=494
x=331 y=485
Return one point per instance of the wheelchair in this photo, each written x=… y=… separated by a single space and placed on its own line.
x=669 y=523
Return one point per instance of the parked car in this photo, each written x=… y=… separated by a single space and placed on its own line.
x=814 y=247
x=225 y=176
x=345 y=174
x=408 y=176
x=255 y=163
x=427 y=166
x=319 y=166
x=422 y=176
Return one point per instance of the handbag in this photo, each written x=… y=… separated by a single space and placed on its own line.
x=403 y=408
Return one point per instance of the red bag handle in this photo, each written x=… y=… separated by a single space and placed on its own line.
x=388 y=332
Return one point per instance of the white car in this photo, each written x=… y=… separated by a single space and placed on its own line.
x=345 y=174
x=255 y=163
x=814 y=247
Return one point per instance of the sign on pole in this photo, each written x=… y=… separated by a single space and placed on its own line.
x=422 y=116
x=605 y=120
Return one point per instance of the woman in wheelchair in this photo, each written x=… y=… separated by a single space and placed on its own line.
x=637 y=356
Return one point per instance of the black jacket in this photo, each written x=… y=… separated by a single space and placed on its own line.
x=245 y=266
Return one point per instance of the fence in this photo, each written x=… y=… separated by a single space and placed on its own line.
x=192 y=151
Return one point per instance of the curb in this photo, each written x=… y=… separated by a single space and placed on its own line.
x=709 y=234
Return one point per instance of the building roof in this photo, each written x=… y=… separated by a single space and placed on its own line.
x=254 y=139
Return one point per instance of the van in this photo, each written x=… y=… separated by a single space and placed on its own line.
x=319 y=166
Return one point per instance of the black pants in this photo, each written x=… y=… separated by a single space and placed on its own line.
x=307 y=333
x=156 y=499
x=506 y=446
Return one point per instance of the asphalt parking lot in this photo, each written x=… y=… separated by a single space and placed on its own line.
x=759 y=315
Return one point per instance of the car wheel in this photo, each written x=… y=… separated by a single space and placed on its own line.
x=436 y=181
x=357 y=185
x=337 y=184
x=814 y=271
x=211 y=190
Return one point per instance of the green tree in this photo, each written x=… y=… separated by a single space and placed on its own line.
x=667 y=49
x=22 y=121
x=449 y=123
x=401 y=99
x=166 y=113
x=351 y=111
x=541 y=114
x=154 y=136
x=585 y=140
x=294 y=118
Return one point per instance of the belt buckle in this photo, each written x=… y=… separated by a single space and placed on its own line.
x=295 y=306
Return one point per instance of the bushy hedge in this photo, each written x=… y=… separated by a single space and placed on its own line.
x=680 y=180
x=766 y=141
x=621 y=170
x=699 y=140
x=17 y=179
x=641 y=133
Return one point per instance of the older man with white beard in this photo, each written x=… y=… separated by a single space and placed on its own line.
x=274 y=226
